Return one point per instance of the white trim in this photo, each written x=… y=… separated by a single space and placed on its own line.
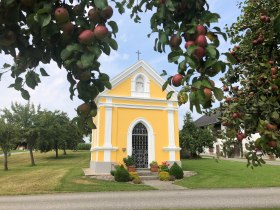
x=107 y=155
x=108 y=123
x=105 y=149
x=129 y=98
x=171 y=134
x=172 y=156
x=171 y=148
x=149 y=70
x=133 y=106
x=151 y=138
x=98 y=134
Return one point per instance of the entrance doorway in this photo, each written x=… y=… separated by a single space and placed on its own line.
x=140 y=145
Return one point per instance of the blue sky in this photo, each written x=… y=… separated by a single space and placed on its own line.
x=53 y=92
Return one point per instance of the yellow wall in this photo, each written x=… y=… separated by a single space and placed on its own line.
x=122 y=118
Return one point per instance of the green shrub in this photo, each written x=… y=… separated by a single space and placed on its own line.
x=133 y=175
x=112 y=172
x=83 y=146
x=163 y=176
x=137 y=180
x=176 y=171
x=121 y=174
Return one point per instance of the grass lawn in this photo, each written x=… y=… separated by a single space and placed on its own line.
x=228 y=174
x=52 y=175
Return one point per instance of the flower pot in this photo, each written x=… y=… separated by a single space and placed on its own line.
x=154 y=168
x=131 y=168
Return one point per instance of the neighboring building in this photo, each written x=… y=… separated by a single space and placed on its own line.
x=213 y=121
x=134 y=118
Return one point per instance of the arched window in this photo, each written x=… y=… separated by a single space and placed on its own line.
x=140 y=84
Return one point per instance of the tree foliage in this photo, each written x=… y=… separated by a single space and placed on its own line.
x=193 y=138
x=8 y=133
x=253 y=104
x=38 y=31
x=24 y=116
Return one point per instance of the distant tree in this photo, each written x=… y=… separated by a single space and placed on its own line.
x=8 y=133
x=56 y=131
x=193 y=138
x=24 y=116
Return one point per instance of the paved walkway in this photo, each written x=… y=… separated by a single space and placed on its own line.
x=163 y=185
x=175 y=199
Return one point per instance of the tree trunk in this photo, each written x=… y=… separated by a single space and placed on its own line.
x=64 y=151
x=5 y=160
x=56 y=152
x=31 y=156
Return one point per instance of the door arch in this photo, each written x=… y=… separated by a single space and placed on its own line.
x=151 y=138
x=140 y=145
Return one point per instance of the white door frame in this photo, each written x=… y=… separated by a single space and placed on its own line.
x=151 y=138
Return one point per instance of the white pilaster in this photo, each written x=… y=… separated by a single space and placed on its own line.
x=108 y=129
x=171 y=134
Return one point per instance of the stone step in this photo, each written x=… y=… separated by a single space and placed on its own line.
x=153 y=177
x=146 y=173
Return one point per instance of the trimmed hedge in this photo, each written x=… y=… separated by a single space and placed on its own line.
x=176 y=171
x=121 y=174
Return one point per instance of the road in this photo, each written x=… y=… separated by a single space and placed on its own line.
x=219 y=198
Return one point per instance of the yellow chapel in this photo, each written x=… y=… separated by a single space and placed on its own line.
x=134 y=118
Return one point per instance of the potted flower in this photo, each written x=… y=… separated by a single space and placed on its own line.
x=154 y=166
x=129 y=162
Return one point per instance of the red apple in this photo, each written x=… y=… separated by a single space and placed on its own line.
x=61 y=15
x=84 y=108
x=201 y=41
x=271 y=127
x=199 y=52
x=189 y=43
x=94 y=15
x=177 y=79
x=68 y=28
x=100 y=32
x=272 y=143
x=233 y=53
x=107 y=13
x=200 y=30
x=260 y=40
x=239 y=136
x=86 y=37
x=78 y=10
x=263 y=18
x=271 y=62
x=274 y=87
x=228 y=100
x=235 y=88
x=255 y=42
x=235 y=115
x=175 y=41
x=274 y=70
x=207 y=93
x=225 y=88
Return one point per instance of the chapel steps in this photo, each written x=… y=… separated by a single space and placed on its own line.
x=146 y=174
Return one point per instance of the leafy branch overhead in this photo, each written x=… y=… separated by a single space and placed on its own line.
x=74 y=35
